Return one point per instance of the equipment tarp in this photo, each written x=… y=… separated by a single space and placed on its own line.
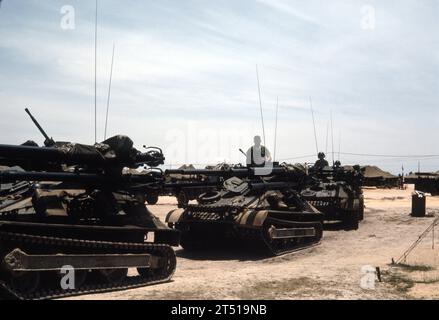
x=118 y=146
x=187 y=167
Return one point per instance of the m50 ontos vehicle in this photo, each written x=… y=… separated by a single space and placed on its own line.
x=73 y=208
x=336 y=192
x=186 y=187
x=264 y=213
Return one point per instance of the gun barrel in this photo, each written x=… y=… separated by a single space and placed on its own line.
x=48 y=154
x=237 y=172
x=171 y=185
x=83 y=178
x=190 y=172
x=272 y=185
x=29 y=152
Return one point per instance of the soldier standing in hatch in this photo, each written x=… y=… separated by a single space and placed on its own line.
x=321 y=163
x=258 y=154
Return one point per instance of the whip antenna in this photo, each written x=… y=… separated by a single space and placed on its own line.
x=109 y=93
x=275 y=130
x=96 y=59
x=339 y=146
x=314 y=124
x=260 y=104
x=327 y=136
x=332 y=138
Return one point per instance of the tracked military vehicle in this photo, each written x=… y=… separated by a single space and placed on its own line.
x=336 y=192
x=74 y=208
x=261 y=212
x=187 y=187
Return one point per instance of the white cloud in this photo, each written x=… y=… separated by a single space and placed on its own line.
x=290 y=8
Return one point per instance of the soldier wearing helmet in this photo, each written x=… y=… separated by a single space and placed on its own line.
x=321 y=162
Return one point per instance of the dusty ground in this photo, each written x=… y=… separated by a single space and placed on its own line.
x=331 y=270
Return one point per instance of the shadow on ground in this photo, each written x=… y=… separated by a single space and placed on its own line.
x=224 y=253
x=335 y=226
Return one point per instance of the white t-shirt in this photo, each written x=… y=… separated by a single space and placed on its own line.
x=258 y=159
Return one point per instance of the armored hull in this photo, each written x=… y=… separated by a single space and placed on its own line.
x=337 y=194
x=49 y=226
x=79 y=216
x=189 y=187
x=270 y=219
x=337 y=203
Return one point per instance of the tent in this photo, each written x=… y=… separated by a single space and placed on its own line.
x=376 y=177
x=373 y=172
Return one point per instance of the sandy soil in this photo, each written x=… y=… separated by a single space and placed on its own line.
x=331 y=270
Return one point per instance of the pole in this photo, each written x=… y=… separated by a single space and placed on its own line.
x=403 y=178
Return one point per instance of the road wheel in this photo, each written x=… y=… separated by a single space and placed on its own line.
x=351 y=222
x=114 y=275
x=152 y=198
x=182 y=199
x=80 y=277
x=319 y=232
x=25 y=282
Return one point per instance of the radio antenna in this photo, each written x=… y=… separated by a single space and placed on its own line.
x=339 y=146
x=96 y=60
x=109 y=93
x=314 y=124
x=327 y=136
x=332 y=138
x=260 y=104
x=275 y=130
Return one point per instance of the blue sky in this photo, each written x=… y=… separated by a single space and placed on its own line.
x=185 y=79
